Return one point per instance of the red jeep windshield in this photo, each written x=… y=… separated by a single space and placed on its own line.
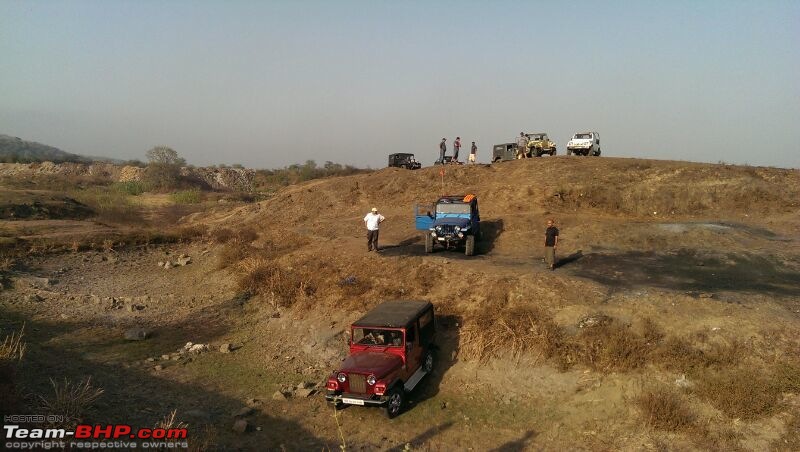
x=378 y=337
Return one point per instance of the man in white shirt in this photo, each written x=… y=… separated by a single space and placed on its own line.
x=373 y=221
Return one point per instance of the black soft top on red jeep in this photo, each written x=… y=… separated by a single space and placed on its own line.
x=394 y=314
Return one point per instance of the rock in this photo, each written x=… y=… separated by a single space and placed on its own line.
x=160 y=263
x=137 y=334
x=151 y=359
x=165 y=357
x=253 y=402
x=94 y=299
x=240 y=426
x=591 y=321
x=183 y=261
x=683 y=382
x=33 y=298
x=304 y=392
x=279 y=395
x=198 y=348
x=705 y=295
x=168 y=265
x=197 y=414
x=131 y=308
x=225 y=348
x=188 y=345
x=158 y=367
x=244 y=412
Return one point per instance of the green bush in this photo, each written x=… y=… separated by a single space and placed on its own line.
x=133 y=188
x=191 y=196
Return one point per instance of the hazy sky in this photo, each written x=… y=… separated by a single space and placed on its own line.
x=267 y=84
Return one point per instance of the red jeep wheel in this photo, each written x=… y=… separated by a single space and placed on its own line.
x=394 y=403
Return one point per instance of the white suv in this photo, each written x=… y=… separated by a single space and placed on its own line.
x=584 y=143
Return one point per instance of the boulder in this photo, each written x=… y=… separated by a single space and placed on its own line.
x=184 y=260
x=279 y=395
x=240 y=426
x=225 y=348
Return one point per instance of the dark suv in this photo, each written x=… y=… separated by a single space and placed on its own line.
x=406 y=161
x=391 y=350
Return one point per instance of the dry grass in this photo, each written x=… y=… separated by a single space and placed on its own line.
x=682 y=355
x=496 y=332
x=240 y=236
x=748 y=392
x=282 y=286
x=70 y=400
x=790 y=440
x=611 y=347
x=169 y=422
x=13 y=347
x=666 y=409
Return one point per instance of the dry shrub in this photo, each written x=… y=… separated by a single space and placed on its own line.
x=283 y=286
x=242 y=236
x=232 y=253
x=747 y=392
x=70 y=400
x=13 y=348
x=610 y=347
x=679 y=354
x=666 y=409
x=189 y=233
x=494 y=332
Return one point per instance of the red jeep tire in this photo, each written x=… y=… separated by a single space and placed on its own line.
x=395 y=400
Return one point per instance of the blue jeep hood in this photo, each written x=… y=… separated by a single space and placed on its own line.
x=452 y=221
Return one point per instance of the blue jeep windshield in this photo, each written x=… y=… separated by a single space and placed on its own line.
x=445 y=208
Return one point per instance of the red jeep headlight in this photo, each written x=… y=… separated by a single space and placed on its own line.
x=342 y=377
x=371 y=380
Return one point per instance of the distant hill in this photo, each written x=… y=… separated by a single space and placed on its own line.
x=17 y=150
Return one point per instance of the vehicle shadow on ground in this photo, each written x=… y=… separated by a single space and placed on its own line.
x=135 y=394
x=688 y=270
x=516 y=445
x=490 y=232
x=447 y=338
x=422 y=437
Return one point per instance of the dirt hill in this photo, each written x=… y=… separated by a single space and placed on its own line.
x=671 y=321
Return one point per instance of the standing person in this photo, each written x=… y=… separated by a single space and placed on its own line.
x=456 y=148
x=442 y=150
x=472 y=152
x=522 y=146
x=550 y=244
x=372 y=221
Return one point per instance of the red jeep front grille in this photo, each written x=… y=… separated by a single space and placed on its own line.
x=358 y=383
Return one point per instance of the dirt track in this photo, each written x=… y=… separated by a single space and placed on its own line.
x=707 y=252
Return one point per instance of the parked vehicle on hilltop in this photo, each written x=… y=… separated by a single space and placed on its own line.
x=584 y=143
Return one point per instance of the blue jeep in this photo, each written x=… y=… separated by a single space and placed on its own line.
x=454 y=221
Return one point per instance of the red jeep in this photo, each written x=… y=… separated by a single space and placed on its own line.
x=391 y=349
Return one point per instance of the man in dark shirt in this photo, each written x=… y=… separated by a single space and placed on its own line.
x=456 y=148
x=550 y=244
x=442 y=150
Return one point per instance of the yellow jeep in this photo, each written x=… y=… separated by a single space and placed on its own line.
x=540 y=144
